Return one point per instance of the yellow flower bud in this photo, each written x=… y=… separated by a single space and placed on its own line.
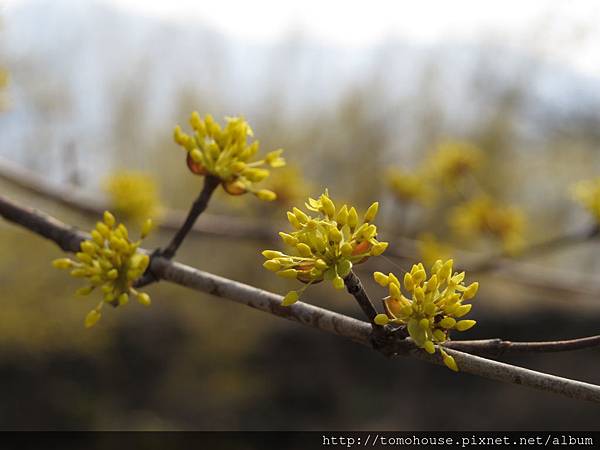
x=381 y=319
x=352 y=217
x=449 y=361
x=266 y=195
x=419 y=294
x=62 y=263
x=462 y=310
x=335 y=235
x=394 y=290
x=304 y=249
x=328 y=206
x=379 y=248
x=290 y=298
x=289 y=239
x=92 y=317
x=88 y=247
x=288 y=273
x=381 y=279
x=429 y=347
x=302 y=218
x=338 y=283
x=144 y=299
x=97 y=237
x=123 y=299
x=408 y=282
x=146 y=228
x=321 y=265
x=272 y=265
x=471 y=291
x=439 y=335
x=464 y=325
x=84 y=290
x=371 y=212
x=346 y=249
x=342 y=215
x=109 y=219
x=447 y=322
x=270 y=254
x=418 y=277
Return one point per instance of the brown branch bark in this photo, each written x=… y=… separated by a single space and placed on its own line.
x=69 y=239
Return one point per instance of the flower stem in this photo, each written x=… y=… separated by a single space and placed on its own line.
x=356 y=289
x=198 y=207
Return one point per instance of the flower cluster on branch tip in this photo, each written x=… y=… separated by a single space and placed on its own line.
x=453 y=161
x=133 y=194
x=432 y=307
x=587 y=193
x=410 y=187
x=224 y=153
x=324 y=246
x=483 y=216
x=110 y=262
x=446 y=167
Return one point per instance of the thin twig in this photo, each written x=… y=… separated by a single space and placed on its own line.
x=198 y=207
x=69 y=239
x=499 y=347
x=537 y=249
x=356 y=289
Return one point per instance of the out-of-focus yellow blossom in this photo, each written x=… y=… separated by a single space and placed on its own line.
x=482 y=216
x=326 y=246
x=289 y=185
x=3 y=83
x=431 y=249
x=453 y=160
x=225 y=154
x=410 y=187
x=133 y=194
x=110 y=262
x=587 y=193
x=433 y=305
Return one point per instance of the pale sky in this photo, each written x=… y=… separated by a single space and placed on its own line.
x=566 y=31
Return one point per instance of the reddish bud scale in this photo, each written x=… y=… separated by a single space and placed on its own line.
x=195 y=168
x=234 y=187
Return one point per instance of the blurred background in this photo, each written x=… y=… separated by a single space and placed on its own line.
x=469 y=121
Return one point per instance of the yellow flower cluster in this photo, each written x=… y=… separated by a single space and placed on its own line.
x=446 y=167
x=454 y=160
x=482 y=216
x=410 y=187
x=225 y=154
x=433 y=308
x=289 y=185
x=587 y=193
x=133 y=194
x=325 y=247
x=110 y=262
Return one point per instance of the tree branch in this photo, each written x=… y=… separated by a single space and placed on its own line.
x=244 y=228
x=69 y=239
x=499 y=347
